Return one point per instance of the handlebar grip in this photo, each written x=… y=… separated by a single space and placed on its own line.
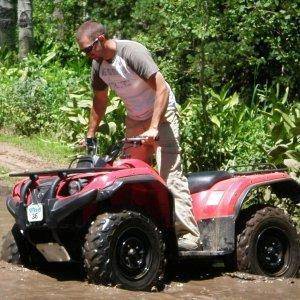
x=91 y=142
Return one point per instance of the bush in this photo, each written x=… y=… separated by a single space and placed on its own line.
x=233 y=134
x=204 y=47
x=39 y=97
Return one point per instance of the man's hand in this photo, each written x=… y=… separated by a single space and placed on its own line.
x=151 y=134
x=86 y=142
x=80 y=144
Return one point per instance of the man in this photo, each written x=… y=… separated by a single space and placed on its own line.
x=128 y=68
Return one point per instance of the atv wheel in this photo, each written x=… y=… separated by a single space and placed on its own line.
x=124 y=249
x=15 y=248
x=18 y=251
x=268 y=244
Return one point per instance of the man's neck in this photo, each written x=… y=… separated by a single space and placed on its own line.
x=110 y=47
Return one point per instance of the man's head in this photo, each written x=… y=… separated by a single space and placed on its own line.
x=91 y=37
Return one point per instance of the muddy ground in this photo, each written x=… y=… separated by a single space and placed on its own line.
x=194 y=281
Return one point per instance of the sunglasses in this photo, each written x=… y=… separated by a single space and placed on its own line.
x=89 y=48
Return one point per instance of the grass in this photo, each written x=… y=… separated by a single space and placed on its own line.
x=46 y=148
x=4 y=178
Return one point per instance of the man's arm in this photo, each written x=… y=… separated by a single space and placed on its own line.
x=97 y=111
x=157 y=82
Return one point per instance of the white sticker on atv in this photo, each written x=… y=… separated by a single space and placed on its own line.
x=35 y=212
x=214 y=198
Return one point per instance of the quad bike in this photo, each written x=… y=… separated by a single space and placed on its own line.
x=116 y=218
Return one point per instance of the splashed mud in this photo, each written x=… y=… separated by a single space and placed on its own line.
x=188 y=281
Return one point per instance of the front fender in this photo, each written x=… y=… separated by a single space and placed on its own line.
x=147 y=194
x=59 y=210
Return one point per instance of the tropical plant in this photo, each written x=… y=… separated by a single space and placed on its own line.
x=234 y=134
x=285 y=129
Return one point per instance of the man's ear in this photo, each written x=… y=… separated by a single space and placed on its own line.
x=101 y=38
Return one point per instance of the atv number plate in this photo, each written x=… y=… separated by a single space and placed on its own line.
x=35 y=212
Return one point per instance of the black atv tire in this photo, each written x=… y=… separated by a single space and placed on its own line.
x=18 y=251
x=15 y=248
x=124 y=249
x=268 y=244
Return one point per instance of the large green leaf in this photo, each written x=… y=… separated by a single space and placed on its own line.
x=215 y=120
x=233 y=100
x=292 y=164
x=83 y=120
x=73 y=119
x=75 y=96
x=49 y=57
x=286 y=118
x=84 y=103
x=112 y=127
x=278 y=150
x=277 y=131
x=65 y=108
x=104 y=128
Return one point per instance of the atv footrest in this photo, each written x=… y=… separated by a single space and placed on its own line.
x=201 y=253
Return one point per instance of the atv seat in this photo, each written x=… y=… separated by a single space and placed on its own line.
x=202 y=181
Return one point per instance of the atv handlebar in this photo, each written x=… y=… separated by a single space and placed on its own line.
x=136 y=140
x=92 y=145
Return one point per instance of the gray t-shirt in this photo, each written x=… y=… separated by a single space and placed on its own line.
x=126 y=75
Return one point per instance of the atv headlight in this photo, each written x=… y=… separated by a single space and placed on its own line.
x=76 y=186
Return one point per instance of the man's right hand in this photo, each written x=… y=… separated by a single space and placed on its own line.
x=91 y=142
x=81 y=143
x=87 y=142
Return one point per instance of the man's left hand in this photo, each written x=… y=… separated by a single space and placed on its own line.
x=151 y=134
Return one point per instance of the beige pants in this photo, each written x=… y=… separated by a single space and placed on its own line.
x=168 y=161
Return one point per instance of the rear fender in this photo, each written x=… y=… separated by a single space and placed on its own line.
x=286 y=188
x=226 y=197
x=216 y=210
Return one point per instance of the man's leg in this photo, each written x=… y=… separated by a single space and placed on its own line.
x=170 y=168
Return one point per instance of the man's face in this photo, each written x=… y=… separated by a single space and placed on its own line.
x=93 y=49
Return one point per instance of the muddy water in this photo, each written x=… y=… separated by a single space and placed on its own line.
x=191 y=281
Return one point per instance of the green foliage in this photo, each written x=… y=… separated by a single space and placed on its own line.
x=41 y=96
x=228 y=63
x=77 y=110
x=235 y=134
x=196 y=43
x=285 y=129
x=33 y=92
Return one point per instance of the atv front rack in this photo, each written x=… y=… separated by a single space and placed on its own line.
x=61 y=175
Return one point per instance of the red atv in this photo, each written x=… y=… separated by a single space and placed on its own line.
x=116 y=218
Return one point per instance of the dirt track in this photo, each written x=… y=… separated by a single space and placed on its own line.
x=192 y=282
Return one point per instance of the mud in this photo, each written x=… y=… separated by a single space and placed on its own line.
x=188 y=281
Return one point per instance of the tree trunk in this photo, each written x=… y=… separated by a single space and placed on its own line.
x=25 y=27
x=58 y=17
x=7 y=26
